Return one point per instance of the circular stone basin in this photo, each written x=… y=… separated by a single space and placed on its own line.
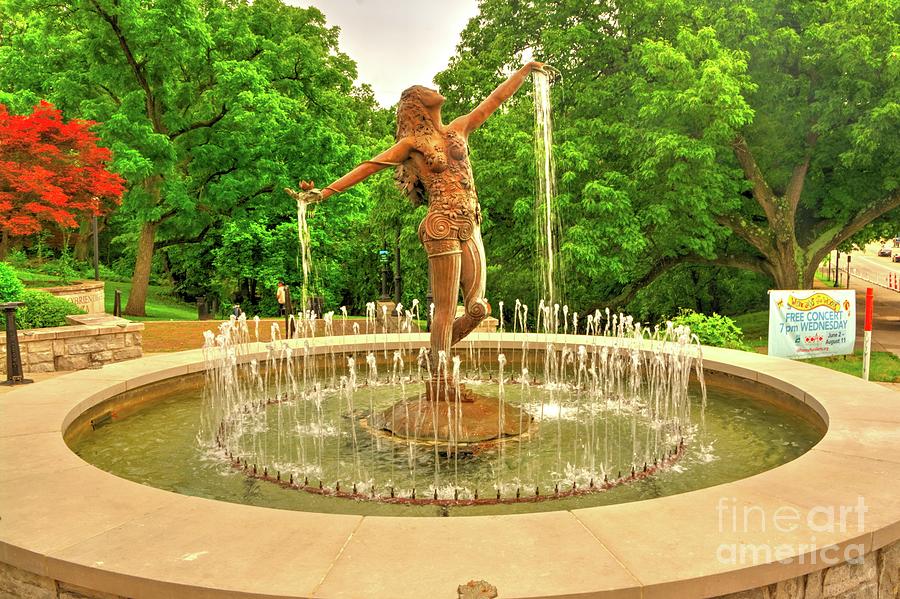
x=64 y=520
x=744 y=433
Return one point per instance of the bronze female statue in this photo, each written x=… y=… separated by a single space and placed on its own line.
x=432 y=164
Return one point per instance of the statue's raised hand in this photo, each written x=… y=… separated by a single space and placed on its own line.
x=308 y=193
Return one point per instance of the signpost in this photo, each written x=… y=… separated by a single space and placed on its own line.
x=867 y=334
x=811 y=323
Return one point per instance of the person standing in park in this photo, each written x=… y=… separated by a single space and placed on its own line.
x=279 y=297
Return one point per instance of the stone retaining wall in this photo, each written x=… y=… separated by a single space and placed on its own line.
x=877 y=576
x=78 y=346
x=87 y=295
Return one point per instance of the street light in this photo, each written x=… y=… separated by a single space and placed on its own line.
x=384 y=256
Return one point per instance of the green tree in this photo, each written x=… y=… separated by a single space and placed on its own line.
x=756 y=135
x=209 y=106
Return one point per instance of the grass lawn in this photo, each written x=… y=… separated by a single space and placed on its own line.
x=755 y=326
x=161 y=305
x=884 y=366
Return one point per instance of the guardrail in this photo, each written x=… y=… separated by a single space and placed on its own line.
x=889 y=281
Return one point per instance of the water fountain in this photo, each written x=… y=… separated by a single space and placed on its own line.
x=430 y=402
x=595 y=409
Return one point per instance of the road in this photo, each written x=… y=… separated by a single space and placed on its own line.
x=868 y=265
x=886 y=314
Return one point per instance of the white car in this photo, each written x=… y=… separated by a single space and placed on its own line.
x=886 y=250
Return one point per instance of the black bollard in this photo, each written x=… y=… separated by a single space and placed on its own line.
x=14 y=373
x=117 y=304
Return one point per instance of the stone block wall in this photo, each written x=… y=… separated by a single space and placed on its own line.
x=78 y=346
x=877 y=576
x=87 y=295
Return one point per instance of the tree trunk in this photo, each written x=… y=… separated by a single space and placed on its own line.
x=82 y=243
x=4 y=244
x=137 y=299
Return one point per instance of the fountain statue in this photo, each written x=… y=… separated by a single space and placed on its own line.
x=432 y=164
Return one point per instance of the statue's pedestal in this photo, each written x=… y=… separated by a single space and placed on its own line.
x=474 y=418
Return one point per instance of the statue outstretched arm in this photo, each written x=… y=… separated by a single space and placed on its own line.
x=504 y=91
x=393 y=156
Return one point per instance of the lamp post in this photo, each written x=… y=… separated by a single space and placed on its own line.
x=837 y=268
x=398 y=278
x=384 y=257
x=848 y=271
x=14 y=373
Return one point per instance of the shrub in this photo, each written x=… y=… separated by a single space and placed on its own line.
x=716 y=330
x=17 y=258
x=44 y=310
x=11 y=287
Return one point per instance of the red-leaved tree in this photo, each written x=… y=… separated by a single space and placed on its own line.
x=52 y=172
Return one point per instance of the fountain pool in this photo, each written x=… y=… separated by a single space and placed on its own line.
x=66 y=523
x=314 y=450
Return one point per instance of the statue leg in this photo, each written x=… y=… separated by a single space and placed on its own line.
x=444 y=271
x=473 y=273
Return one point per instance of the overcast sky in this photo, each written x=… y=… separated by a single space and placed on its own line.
x=397 y=43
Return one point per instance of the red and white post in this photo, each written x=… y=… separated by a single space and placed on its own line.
x=867 y=335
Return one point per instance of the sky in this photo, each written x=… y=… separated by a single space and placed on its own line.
x=397 y=43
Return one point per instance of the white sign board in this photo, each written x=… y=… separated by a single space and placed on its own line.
x=811 y=323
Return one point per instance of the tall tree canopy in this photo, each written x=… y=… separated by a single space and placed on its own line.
x=758 y=135
x=51 y=172
x=210 y=106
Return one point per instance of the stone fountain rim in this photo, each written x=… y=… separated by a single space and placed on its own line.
x=69 y=521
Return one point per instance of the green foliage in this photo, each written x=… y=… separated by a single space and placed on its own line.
x=715 y=330
x=210 y=111
x=11 y=288
x=44 y=310
x=16 y=258
x=703 y=289
x=654 y=99
x=226 y=102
